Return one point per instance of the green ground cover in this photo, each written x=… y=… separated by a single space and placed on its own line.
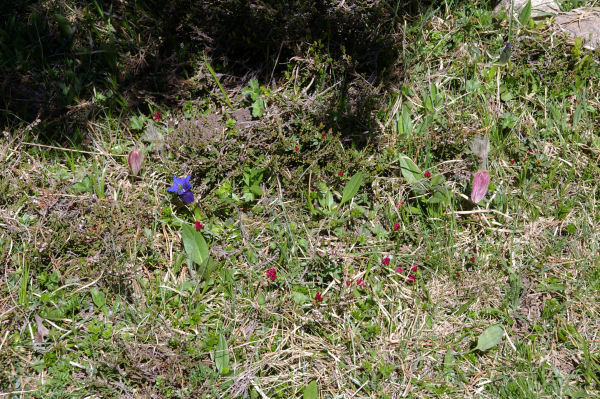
x=331 y=249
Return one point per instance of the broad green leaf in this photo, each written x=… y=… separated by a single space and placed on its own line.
x=299 y=298
x=222 y=355
x=98 y=298
x=525 y=13
x=410 y=171
x=198 y=213
x=194 y=244
x=261 y=299
x=490 y=338
x=351 y=188
x=85 y=185
x=449 y=365
x=137 y=122
x=311 y=391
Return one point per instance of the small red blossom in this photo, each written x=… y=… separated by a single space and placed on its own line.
x=399 y=270
x=318 y=297
x=427 y=174
x=472 y=259
x=385 y=261
x=360 y=282
x=396 y=226
x=296 y=148
x=512 y=161
x=341 y=173
x=157 y=116
x=412 y=278
x=525 y=160
x=526 y=123
x=399 y=204
x=348 y=282
x=457 y=274
x=199 y=226
x=272 y=273
x=413 y=268
x=323 y=136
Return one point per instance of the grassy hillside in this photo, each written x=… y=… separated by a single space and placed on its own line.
x=331 y=248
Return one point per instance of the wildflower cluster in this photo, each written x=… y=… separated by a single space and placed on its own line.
x=272 y=273
x=411 y=277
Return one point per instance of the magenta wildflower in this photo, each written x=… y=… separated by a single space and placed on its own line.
x=396 y=226
x=318 y=297
x=296 y=148
x=272 y=273
x=385 y=261
x=341 y=173
x=413 y=268
x=472 y=259
x=427 y=174
x=481 y=180
x=399 y=270
x=199 y=226
x=135 y=159
x=157 y=116
x=348 y=282
x=412 y=278
x=360 y=282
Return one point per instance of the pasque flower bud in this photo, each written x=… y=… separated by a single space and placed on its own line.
x=135 y=159
x=481 y=180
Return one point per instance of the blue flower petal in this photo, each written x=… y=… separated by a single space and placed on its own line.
x=185 y=183
x=187 y=197
x=180 y=185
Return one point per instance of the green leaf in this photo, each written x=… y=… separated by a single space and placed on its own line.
x=351 y=188
x=256 y=190
x=507 y=96
x=222 y=355
x=449 y=365
x=525 y=13
x=311 y=391
x=85 y=185
x=261 y=299
x=98 y=298
x=198 y=213
x=299 y=298
x=490 y=338
x=194 y=244
x=137 y=122
x=410 y=171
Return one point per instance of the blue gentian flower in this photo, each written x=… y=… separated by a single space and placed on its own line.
x=183 y=188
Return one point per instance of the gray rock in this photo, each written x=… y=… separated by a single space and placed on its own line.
x=539 y=8
x=581 y=22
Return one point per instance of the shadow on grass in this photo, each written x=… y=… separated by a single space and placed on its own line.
x=67 y=60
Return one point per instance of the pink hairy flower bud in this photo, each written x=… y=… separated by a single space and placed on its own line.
x=135 y=159
x=481 y=180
